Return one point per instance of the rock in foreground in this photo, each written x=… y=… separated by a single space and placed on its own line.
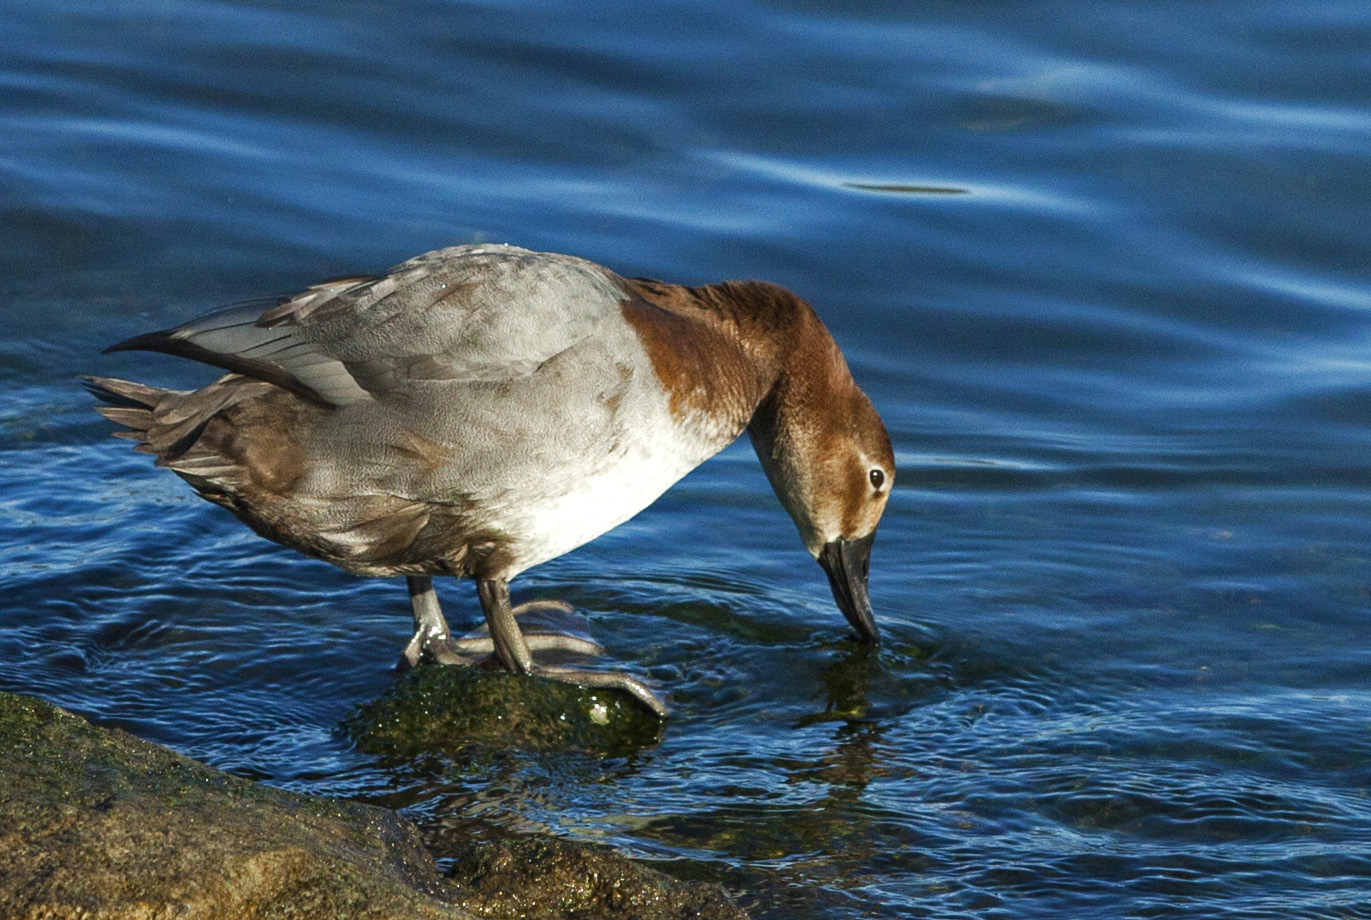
x=96 y=824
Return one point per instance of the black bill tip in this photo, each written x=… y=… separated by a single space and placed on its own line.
x=847 y=562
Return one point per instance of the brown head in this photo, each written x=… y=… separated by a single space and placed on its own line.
x=829 y=459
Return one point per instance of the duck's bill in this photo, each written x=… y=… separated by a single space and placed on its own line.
x=847 y=563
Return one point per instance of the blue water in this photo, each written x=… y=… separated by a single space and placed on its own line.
x=1101 y=266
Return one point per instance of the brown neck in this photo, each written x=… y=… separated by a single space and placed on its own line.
x=790 y=357
x=792 y=390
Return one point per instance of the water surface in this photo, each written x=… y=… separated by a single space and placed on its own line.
x=1102 y=268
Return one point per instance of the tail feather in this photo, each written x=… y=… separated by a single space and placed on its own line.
x=124 y=394
x=126 y=403
x=150 y=416
x=137 y=419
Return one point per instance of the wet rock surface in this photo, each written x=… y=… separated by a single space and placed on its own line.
x=434 y=709
x=532 y=878
x=96 y=823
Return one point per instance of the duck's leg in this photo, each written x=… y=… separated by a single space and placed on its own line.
x=432 y=634
x=429 y=624
x=512 y=651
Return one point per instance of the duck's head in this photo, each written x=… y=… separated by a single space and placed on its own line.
x=829 y=459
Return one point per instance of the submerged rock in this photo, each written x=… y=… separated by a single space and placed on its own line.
x=531 y=878
x=95 y=823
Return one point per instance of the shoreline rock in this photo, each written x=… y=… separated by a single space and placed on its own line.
x=96 y=823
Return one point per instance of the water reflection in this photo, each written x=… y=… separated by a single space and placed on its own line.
x=846 y=687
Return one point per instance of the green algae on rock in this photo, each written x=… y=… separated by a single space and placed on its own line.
x=538 y=878
x=442 y=708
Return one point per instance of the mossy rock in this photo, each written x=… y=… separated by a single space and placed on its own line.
x=437 y=708
x=538 y=878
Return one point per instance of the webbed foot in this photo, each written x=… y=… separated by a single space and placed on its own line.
x=613 y=679
x=510 y=637
x=513 y=651
x=549 y=626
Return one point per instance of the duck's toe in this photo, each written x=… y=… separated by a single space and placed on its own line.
x=636 y=688
x=425 y=643
x=550 y=627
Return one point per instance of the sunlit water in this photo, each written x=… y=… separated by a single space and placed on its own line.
x=1102 y=267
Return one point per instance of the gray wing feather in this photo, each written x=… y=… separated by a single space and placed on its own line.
x=233 y=339
x=469 y=313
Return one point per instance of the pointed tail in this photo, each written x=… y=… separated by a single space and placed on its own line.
x=135 y=406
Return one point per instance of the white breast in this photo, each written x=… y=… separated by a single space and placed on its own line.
x=579 y=501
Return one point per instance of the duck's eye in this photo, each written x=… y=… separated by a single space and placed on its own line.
x=877 y=479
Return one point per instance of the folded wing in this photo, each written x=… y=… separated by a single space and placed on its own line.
x=471 y=313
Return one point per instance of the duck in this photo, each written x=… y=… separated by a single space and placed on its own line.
x=478 y=410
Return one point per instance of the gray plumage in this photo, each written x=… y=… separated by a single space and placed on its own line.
x=407 y=424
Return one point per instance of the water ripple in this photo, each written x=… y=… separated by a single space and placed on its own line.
x=1122 y=580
